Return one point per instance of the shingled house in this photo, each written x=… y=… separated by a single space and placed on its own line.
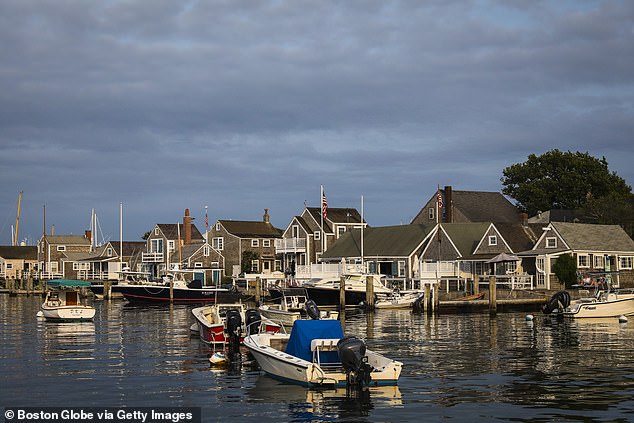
x=234 y=238
x=54 y=251
x=16 y=261
x=468 y=207
x=304 y=240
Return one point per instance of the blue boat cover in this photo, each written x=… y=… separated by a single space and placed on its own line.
x=304 y=331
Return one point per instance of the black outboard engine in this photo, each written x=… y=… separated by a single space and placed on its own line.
x=253 y=319
x=312 y=310
x=233 y=328
x=352 y=355
x=559 y=301
x=419 y=306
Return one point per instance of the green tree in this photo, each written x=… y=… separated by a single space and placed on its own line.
x=565 y=267
x=561 y=180
x=611 y=209
x=247 y=258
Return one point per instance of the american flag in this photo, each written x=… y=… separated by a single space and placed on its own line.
x=324 y=205
x=439 y=199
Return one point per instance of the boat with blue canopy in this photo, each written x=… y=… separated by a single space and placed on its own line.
x=64 y=302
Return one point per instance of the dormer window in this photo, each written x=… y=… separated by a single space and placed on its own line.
x=551 y=242
x=493 y=240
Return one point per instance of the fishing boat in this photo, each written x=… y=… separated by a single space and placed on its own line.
x=398 y=300
x=293 y=305
x=605 y=303
x=215 y=322
x=317 y=354
x=175 y=287
x=63 y=301
x=325 y=292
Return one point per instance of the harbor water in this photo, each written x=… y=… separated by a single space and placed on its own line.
x=457 y=367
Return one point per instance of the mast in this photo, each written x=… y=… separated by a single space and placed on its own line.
x=17 y=221
x=44 y=247
x=121 y=236
x=362 y=264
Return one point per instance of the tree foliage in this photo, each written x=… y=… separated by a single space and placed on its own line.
x=561 y=180
x=565 y=268
x=247 y=258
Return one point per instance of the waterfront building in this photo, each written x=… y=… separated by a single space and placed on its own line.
x=16 y=261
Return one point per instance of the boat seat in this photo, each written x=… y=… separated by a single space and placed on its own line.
x=324 y=344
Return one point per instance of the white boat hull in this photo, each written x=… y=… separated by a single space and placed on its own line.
x=612 y=305
x=68 y=313
x=283 y=366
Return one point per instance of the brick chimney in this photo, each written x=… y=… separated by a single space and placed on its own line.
x=524 y=219
x=88 y=235
x=266 y=217
x=448 y=204
x=187 y=228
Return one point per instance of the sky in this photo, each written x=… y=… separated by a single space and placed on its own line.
x=152 y=106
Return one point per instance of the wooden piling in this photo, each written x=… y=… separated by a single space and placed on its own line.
x=436 y=298
x=426 y=298
x=258 y=291
x=493 y=307
x=106 y=289
x=369 y=291
x=342 y=293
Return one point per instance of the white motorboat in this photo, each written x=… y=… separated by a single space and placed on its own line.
x=325 y=292
x=215 y=323
x=63 y=301
x=398 y=300
x=605 y=303
x=317 y=354
x=294 y=304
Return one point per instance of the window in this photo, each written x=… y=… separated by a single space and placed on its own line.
x=551 y=242
x=266 y=243
x=218 y=226
x=583 y=260
x=215 y=264
x=295 y=231
x=218 y=243
x=9 y=266
x=317 y=235
x=170 y=245
x=156 y=246
x=206 y=251
x=109 y=252
x=198 y=264
x=493 y=240
x=278 y=265
x=255 y=266
x=255 y=243
x=626 y=262
x=156 y=231
x=61 y=248
x=401 y=268
x=340 y=231
x=432 y=213
x=598 y=262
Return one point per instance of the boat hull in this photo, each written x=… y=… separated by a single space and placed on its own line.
x=614 y=306
x=149 y=293
x=68 y=313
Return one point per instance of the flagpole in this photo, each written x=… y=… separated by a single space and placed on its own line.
x=323 y=233
x=362 y=265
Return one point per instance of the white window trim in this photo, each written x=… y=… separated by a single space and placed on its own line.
x=317 y=235
x=61 y=248
x=552 y=239
x=255 y=243
x=171 y=245
x=493 y=240
x=587 y=261
x=629 y=262
x=431 y=213
x=598 y=262
x=266 y=243
x=218 y=243
x=206 y=251
x=198 y=264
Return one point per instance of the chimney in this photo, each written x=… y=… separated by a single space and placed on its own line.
x=88 y=235
x=448 y=204
x=187 y=228
x=266 y=216
x=524 y=219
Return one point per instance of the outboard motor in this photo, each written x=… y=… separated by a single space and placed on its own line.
x=559 y=301
x=312 y=310
x=418 y=305
x=352 y=355
x=253 y=319
x=233 y=327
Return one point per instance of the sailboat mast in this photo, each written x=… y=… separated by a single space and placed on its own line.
x=121 y=236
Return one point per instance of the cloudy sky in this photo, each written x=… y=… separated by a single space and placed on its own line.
x=245 y=105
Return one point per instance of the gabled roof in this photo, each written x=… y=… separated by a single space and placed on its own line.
x=301 y=222
x=130 y=248
x=18 y=253
x=170 y=230
x=68 y=239
x=465 y=236
x=387 y=241
x=336 y=215
x=251 y=229
x=589 y=237
x=519 y=237
x=480 y=206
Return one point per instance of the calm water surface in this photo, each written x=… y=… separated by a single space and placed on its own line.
x=456 y=368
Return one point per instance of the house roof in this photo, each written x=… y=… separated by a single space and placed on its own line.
x=387 y=241
x=519 y=237
x=251 y=229
x=170 y=230
x=18 y=253
x=465 y=236
x=580 y=236
x=67 y=239
x=480 y=206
